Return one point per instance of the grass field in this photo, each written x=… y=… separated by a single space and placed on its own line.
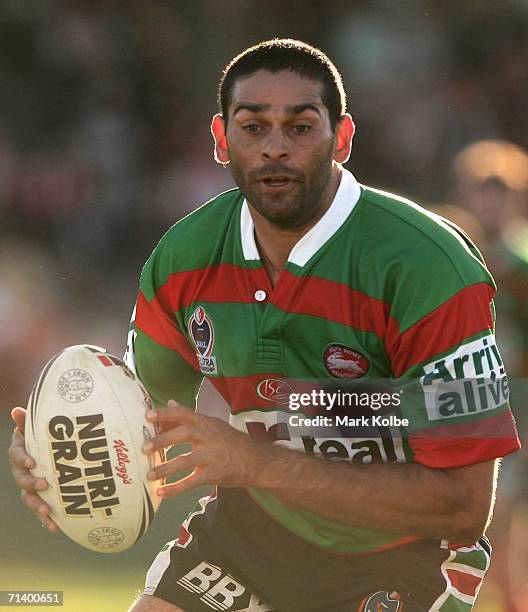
x=85 y=590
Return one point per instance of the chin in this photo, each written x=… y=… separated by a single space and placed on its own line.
x=283 y=214
x=287 y=220
x=286 y=211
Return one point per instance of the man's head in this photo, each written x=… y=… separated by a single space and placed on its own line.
x=284 y=130
x=279 y=55
x=490 y=179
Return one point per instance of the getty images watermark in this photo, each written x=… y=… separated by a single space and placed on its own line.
x=334 y=402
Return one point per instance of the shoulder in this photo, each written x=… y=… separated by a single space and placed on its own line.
x=417 y=241
x=191 y=243
x=418 y=260
x=209 y=217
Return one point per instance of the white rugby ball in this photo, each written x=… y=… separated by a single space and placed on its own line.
x=85 y=426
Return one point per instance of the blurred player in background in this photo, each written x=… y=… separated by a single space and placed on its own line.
x=489 y=179
x=303 y=273
x=488 y=198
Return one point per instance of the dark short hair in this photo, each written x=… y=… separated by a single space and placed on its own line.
x=286 y=54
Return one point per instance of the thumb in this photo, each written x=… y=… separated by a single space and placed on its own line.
x=19 y=416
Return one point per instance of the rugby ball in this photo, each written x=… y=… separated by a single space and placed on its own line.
x=85 y=426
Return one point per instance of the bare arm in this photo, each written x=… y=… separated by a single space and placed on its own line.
x=453 y=504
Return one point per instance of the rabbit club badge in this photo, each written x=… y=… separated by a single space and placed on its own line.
x=344 y=362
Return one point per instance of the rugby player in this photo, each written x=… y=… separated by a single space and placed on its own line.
x=302 y=272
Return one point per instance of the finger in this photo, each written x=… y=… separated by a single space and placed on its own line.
x=182 y=486
x=27 y=482
x=182 y=462
x=43 y=513
x=19 y=417
x=41 y=509
x=178 y=435
x=17 y=452
x=159 y=416
x=50 y=525
x=35 y=503
x=172 y=412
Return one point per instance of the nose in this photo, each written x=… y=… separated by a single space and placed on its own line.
x=275 y=146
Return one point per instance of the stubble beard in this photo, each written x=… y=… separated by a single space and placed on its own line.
x=294 y=210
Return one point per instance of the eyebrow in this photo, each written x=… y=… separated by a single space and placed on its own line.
x=296 y=109
x=252 y=108
x=300 y=108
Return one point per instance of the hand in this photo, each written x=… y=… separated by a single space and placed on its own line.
x=220 y=455
x=21 y=463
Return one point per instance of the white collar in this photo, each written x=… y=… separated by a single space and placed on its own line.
x=345 y=200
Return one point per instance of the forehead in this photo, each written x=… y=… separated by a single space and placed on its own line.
x=278 y=89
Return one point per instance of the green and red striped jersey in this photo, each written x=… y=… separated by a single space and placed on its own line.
x=378 y=288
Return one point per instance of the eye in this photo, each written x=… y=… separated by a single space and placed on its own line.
x=252 y=128
x=301 y=128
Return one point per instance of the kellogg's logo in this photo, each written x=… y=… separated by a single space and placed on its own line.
x=275 y=390
x=344 y=362
x=122 y=460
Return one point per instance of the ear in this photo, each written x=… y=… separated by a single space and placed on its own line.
x=218 y=131
x=344 y=133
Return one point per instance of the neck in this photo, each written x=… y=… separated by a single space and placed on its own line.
x=275 y=243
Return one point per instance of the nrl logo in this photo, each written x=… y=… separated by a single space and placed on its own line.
x=275 y=390
x=201 y=331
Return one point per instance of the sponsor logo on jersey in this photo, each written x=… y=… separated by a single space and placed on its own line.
x=381 y=601
x=384 y=445
x=345 y=362
x=220 y=591
x=470 y=380
x=275 y=390
x=201 y=331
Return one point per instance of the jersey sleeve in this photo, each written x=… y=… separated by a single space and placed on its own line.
x=157 y=350
x=441 y=344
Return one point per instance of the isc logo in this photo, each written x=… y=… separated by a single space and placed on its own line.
x=220 y=590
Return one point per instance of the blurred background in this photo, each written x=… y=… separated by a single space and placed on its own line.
x=104 y=143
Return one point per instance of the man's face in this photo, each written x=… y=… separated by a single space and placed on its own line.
x=281 y=146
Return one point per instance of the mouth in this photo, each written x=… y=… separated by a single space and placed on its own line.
x=277 y=181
